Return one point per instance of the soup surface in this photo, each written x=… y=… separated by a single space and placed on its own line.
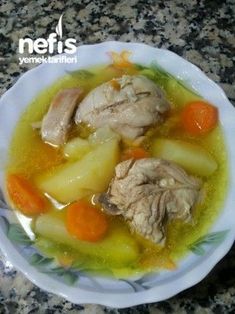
x=122 y=251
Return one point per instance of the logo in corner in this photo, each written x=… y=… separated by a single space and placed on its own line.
x=53 y=44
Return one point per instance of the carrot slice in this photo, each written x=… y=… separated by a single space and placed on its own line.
x=135 y=153
x=25 y=196
x=86 y=222
x=199 y=117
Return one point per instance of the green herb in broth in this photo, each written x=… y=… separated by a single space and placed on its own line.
x=176 y=91
x=29 y=155
x=81 y=74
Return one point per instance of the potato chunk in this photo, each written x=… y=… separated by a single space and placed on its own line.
x=192 y=157
x=76 y=148
x=75 y=180
x=103 y=135
x=118 y=248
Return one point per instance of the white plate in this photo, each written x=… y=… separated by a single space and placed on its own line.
x=111 y=292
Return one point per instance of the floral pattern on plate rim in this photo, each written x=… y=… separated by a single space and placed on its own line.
x=70 y=275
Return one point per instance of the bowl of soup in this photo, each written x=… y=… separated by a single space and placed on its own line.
x=116 y=175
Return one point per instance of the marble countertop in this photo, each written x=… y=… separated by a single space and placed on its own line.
x=200 y=31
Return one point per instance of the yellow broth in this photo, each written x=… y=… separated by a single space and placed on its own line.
x=29 y=155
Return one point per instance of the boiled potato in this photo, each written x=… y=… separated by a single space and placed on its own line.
x=118 y=247
x=75 y=180
x=102 y=135
x=192 y=157
x=76 y=148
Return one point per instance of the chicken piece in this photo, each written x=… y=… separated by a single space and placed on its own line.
x=127 y=105
x=56 y=122
x=148 y=192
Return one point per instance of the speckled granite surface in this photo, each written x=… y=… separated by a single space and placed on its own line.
x=200 y=31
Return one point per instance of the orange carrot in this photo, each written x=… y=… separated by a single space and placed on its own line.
x=86 y=222
x=199 y=117
x=25 y=196
x=135 y=153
